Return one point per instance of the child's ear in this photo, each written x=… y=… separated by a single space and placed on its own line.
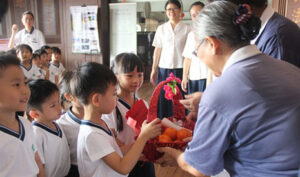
x=68 y=97
x=96 y=99
x=34 y=113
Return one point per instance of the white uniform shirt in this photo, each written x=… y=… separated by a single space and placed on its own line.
x=70 y=125
x=198 y=70
x=53 y=149
x=172 y=44
x=128 y=134
x=55 y=70
x=17 y=151
x=35 y=38
x=94 y=143
x=33 y=72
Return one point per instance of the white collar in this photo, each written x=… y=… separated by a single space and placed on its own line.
x=241 y=54
x=265 y=17
x=176 y=26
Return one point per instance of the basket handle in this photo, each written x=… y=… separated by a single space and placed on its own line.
x=178 y=108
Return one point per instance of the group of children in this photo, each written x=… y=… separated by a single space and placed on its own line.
x=91 y=138
x=44 y=63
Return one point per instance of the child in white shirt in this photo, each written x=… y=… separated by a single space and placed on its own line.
x=51 y=141
x=98 y=154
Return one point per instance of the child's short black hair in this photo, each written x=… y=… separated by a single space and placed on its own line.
x=21 y=47
x=176 y=2
x=41 y=89
x=64 y=86
x=28 y=13
x=91 y=78
x=8 y=60
x=35 y=56
x=197 y=3
x=45 y=47
x=126 y=62
x=56 y=50
x=40 y=52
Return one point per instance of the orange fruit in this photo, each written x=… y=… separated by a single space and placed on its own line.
x=183 y=133
x=171 y=132
x=164 y=139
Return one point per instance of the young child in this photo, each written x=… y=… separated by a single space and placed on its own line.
x=49 y=52
x=19 y=157
x=36 y=60
x=24 y=53
x=70 y=121
x=55 y=68
x=44 y=107
x=98 y=154
x=129 y=71
x=44 y=63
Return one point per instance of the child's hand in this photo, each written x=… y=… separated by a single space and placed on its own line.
x=151 y=129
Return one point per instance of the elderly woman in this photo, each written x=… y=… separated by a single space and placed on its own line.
x=249 y=118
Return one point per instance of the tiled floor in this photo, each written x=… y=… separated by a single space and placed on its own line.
x=145 y=92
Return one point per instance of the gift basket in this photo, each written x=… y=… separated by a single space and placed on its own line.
x=170 y=85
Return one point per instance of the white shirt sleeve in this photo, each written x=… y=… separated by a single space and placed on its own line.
x=98 y=146
x=189 y=46
x=157 y=42
x=109 y=120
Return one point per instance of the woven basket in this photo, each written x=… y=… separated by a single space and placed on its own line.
x=150 y=151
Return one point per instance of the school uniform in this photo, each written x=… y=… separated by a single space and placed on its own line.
x=32 y=72
x=198 y=70
x=35 y=38
x=17 y=150
x=127 y=136
x=94 y=143
x=55 y=70
x=172 y=43
x=70 y=125
x=43 y=73
x=53 y=148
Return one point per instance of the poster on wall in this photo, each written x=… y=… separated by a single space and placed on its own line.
x=84 y=26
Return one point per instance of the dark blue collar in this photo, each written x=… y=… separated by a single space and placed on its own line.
x=55 y=64
x=30 y=32
x=26 y=68
x=73 y=117
x=89 y=123
x=56 y=132
x=20 y=135
x=124 y=103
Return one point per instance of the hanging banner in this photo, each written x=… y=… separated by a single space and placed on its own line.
x=84 y=26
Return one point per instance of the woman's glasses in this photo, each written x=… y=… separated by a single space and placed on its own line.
x=172 y=9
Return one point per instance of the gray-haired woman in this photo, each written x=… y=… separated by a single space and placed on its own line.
x=249 y=118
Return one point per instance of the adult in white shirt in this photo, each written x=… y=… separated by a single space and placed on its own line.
x=169 y=42
x=29 y=35
x=194 y=70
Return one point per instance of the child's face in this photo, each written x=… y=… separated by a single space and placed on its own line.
x=44 y=60
x=37 y=62
x=131 y=81
x=24 y=55
x=14 y=93
x=51 y=109
x=49 y=54
x=109 y=99
x=56 y=56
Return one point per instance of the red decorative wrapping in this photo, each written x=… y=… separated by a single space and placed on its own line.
x=150 y=151
x=136 y=115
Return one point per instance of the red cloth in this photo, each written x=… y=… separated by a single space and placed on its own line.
x=136 y=115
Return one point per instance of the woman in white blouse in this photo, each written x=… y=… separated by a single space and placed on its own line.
x=169 y=42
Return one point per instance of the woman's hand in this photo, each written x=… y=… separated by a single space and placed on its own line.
x=191 y=101
x=169 y=158
x=184 y=84
x=153 y=77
